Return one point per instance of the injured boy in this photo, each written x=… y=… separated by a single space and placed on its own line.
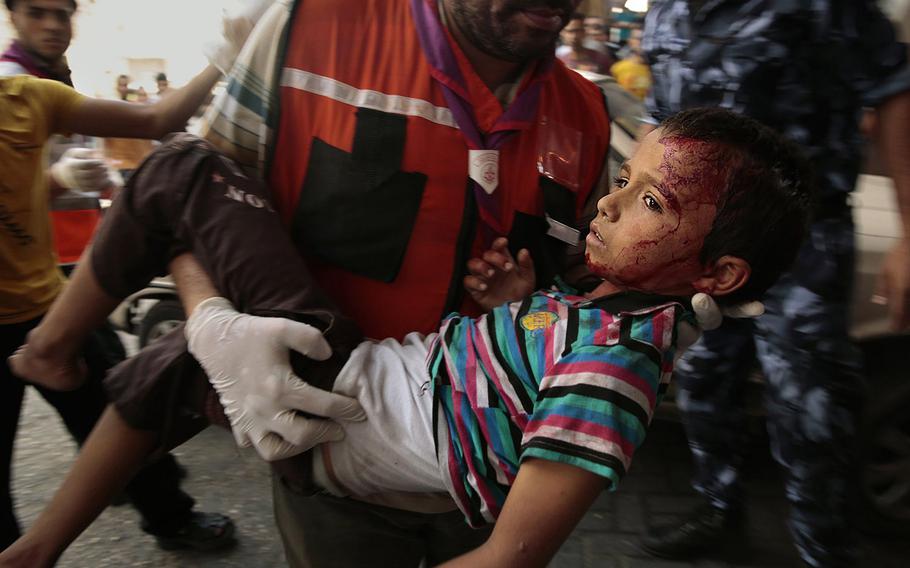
x=521 y=416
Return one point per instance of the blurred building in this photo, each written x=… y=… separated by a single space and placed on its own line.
x=139 y=38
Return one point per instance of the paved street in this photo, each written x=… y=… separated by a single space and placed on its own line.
x=223 y=478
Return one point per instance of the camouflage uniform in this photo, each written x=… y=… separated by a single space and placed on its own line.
x=806 y=68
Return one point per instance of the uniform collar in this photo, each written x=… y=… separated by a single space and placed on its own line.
x=631 y=301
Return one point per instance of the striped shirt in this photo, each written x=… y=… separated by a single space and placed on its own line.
x=556 y=377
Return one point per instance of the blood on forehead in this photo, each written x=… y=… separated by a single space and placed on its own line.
x=695 y=170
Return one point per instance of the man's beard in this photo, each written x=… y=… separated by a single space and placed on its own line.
x=499 y=36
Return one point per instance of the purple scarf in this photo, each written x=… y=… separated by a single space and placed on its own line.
x=521 y=112
x=35 y=65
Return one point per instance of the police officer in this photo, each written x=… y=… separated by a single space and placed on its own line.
x=806 y=68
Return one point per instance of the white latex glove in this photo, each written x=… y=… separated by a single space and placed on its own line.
x=247 y=361
x=710 y=315
x=238 y=20
x=80 y=169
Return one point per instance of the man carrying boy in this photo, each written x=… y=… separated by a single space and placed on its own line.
x=400 y=137
x=522 y=415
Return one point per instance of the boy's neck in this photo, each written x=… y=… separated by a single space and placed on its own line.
x=605 y=288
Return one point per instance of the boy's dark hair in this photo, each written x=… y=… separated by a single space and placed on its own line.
x=764 y=213
x=10 y=4
x=160 y=77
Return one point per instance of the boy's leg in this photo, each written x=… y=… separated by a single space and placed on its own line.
x=155 y=490
x=109 y=458
x=188 y=198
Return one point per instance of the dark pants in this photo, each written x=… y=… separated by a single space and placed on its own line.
x=187 y=198
x=814 y=392
x=154 y=491
x=322 y=530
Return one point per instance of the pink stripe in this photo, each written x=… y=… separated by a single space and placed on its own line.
x=602 y=334
x=466 y=444
x=470 y=370
x=584 y=427
x=658 y=324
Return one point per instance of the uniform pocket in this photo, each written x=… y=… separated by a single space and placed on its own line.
x=825 y=261
x=357 y=210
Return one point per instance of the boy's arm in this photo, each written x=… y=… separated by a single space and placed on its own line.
x=545 y=503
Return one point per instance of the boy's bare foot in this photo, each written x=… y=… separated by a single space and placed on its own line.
x=47 y=366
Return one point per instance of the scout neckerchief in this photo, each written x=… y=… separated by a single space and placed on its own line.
x=483 y=148
x=35 y=66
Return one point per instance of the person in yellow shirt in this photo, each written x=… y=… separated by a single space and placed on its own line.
x=31 y=111
x=633 y=75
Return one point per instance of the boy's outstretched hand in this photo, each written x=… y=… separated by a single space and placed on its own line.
x=497 y=277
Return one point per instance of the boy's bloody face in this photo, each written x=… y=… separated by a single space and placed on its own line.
x=650 y=229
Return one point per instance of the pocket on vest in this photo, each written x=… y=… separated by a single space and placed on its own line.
x=357 y=210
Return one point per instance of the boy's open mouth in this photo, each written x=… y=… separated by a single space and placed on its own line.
x=596 y=234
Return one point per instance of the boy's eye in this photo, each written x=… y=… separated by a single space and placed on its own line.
x=620 y=182
x=652 y=203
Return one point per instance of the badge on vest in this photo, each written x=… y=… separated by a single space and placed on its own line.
x=483 y=168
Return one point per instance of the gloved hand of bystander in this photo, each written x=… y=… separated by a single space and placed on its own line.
x=80 y=169
x=237 y=21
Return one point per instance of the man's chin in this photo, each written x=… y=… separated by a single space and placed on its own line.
x=529 y=50
x=51 y=55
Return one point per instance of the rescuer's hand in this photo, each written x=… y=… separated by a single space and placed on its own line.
x=246 y=359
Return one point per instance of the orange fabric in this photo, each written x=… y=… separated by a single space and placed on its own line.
x=372 y=45
x=73 y=231
x=126 y=153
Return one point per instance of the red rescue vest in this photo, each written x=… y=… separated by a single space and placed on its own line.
x=74 y=219
x=371 y=172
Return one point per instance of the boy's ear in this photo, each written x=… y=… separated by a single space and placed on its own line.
x=727 y=274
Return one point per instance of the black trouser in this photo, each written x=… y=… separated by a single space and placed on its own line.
x=154 y=491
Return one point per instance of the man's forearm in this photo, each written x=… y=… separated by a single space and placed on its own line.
x=193 y=284
x=172 y=112
x=894 y=143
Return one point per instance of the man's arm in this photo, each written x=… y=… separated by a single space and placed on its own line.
x=545 y=503
x=106 y=118
x=894 y=142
